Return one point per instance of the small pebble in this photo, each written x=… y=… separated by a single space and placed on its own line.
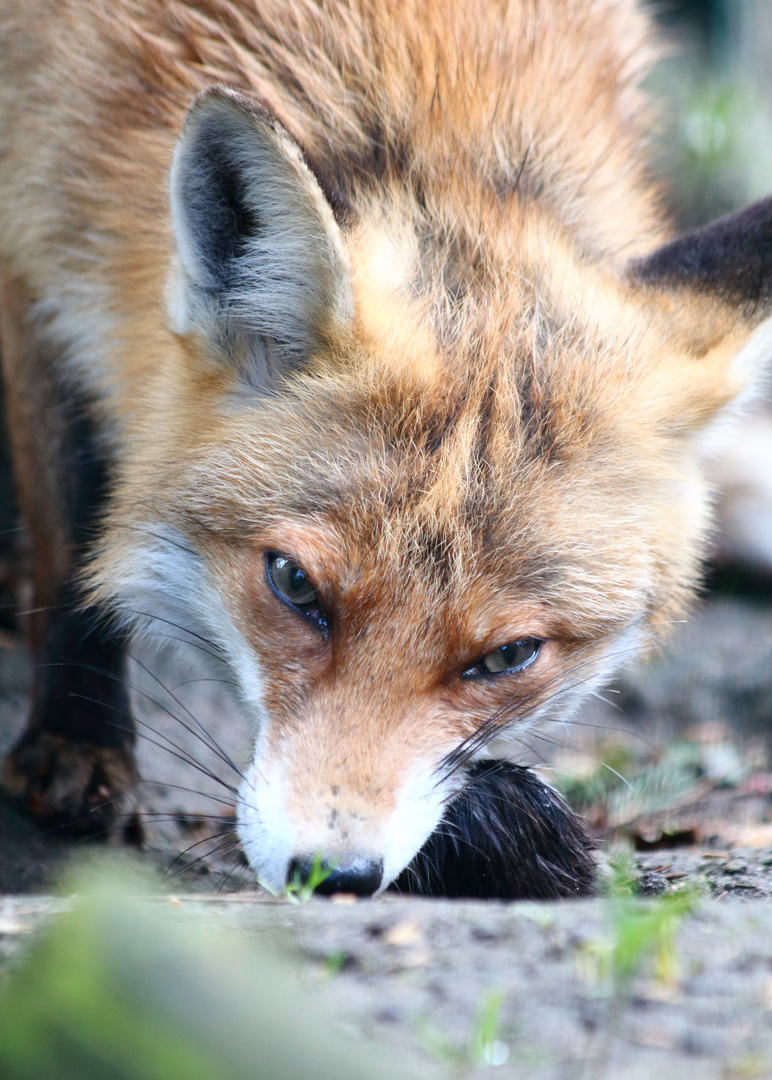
x=652 y=884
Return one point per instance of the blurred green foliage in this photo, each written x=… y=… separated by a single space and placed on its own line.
x=712 y=95
x=617 y=787
x=134 y=989
x=482 y=1044
x=640 y=936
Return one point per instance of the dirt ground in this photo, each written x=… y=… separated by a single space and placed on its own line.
x=422 y=978
x=690 y=733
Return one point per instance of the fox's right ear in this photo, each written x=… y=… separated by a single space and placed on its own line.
x=262 y=275
x=729 y=259
x=708 y=295
x=712 y=290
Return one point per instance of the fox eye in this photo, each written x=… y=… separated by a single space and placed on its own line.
x=292 y=585
x=506 y=660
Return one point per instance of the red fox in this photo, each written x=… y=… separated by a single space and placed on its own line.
x=347 y=342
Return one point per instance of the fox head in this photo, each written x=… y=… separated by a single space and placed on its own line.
x=417 y=471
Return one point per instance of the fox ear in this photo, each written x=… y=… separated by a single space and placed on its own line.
x=712 y=290
x=262 y=270
x=731 y=259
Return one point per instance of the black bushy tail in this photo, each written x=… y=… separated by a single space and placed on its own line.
x=507 y=836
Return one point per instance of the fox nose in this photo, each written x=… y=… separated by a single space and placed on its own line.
x=359 y=875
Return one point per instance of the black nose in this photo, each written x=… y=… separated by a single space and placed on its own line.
x=358 y=875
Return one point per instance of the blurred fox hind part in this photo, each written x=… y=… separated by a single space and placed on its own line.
x=331 y=338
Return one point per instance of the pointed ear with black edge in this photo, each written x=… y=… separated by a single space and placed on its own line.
x=730 y=259
x=712 y=290
x=262 y=272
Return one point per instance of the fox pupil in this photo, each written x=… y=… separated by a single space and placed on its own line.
x=298 y=581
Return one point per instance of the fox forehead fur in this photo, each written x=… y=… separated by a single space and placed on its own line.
x=383 y=324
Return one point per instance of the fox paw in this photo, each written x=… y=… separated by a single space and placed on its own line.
x=88 y=787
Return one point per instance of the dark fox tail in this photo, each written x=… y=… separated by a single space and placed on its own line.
x=507 y=836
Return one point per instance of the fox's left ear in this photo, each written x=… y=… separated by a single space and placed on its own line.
x=711 y=290
x=262 y=276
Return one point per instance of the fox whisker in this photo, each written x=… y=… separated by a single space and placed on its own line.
x=198 y=732
x=220 y=845
x=208 y=738
x=192 y=637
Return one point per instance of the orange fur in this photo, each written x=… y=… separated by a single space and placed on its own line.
x=500 y=442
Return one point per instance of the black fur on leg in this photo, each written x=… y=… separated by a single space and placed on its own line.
x=507 y=836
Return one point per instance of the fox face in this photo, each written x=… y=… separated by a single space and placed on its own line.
x=411 y=519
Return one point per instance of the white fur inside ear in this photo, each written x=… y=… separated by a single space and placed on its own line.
x=751 y=371
x=753 y=364
x=744 y=508
x=180 y=321
x=262 y=267
x=391 y=259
